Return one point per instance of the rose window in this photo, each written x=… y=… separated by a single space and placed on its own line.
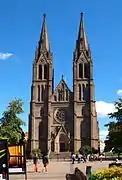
x=60 y=115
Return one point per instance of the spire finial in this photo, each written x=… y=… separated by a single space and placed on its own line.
x=44 y=15
x=81 y=14
x=62 y=77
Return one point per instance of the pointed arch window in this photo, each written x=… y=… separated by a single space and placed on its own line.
x=55 y=98
x=83 y=91
x=42 y=93
x=62 y=92
x=86 y=70
x=59 y=95
x=40 y=71
x=87 y=92
x=79 y=92
x=38 y=92
x=42 y=112
x=45 y=71
x=66 y=95
x=80 y=70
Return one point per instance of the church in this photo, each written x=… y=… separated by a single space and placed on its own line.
x=62 y=120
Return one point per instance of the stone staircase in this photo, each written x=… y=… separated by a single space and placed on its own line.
x=61 y=155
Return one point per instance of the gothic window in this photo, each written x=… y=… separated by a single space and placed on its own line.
x=83 y=91
x=59 y=95
x=40 y=71
x=42 y=112
x=45 y=71
x=62 y=92
x=80 y=70
x=60 y=115
x=55 y=98
x=79 y=92
x=86 y=70
x=87 y=92
x=66 y=95
x=42 y=93
x=38 y=93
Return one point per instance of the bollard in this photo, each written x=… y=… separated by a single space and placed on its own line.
x=88 y=170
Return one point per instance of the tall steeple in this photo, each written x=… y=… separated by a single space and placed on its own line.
x=82 y=42
x=44 y=42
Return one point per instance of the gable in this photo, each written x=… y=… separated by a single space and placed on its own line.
x=62 y=92
x=82 y=58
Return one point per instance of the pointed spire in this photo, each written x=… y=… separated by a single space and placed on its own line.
x=82 y=39
x=44 y=43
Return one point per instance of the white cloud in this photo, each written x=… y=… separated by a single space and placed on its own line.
x=4 y=56
x=103 y=133
x=103 y=108
x=119 y=92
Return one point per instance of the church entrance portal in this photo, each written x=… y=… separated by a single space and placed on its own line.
x=63 y=141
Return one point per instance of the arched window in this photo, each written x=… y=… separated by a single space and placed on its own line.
x=62 y=92
x=66 y=95
x=87 y=92
x=80 y=70
x=86 y=70
x=42 y=112
x=79 y=92
x=45 y=71
x=59 y=95
x=55 y=98
x=38 y=93
x=83 y=91
x=40 y=71
x=42 y=93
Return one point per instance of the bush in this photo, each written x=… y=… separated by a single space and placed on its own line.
x=36 y=152
x=114 y=173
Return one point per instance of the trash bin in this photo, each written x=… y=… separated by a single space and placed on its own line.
x=88 y=170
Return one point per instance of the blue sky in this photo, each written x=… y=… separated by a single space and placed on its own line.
x=20 y=31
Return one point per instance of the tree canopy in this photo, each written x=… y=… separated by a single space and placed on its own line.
x=87 y=150
x=114 y=138
x=10 y=123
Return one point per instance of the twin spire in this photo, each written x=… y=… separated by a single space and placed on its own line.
x=81 y=41
x=44 y=42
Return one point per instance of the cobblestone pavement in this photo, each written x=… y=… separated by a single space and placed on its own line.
x=58 y=170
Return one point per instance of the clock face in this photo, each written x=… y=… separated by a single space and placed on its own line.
x=60 y=115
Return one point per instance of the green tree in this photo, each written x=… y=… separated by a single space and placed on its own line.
x=10 y=123
x=114 y=138
x=36 y=152
x=85 y=150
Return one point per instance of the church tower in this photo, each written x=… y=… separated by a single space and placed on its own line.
x=85 y=117
x=61 y=120
x=41 y=91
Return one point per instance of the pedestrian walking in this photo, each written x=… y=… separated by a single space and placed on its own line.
x=35 y=160
x=45 y=162
x=73 y=158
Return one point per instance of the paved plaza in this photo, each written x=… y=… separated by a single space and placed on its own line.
x=58 y=170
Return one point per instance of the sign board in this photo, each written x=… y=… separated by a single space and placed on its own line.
x=4 y=160
x=17 y=159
